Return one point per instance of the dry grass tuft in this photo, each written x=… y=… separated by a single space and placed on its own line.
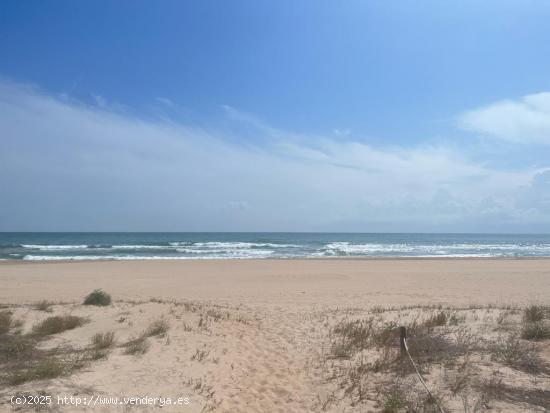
x=451 y=343
x=5 y=322
x=536 y=331
x=43 y=305
x=58 y=324
x=436 y=320
x=200 y=355
x=351 y=336
x=517 y=354
x=157 y=328
x=102 y=341
x=394 y=401
x=534 y=313
x=47 y=368
x=136 y=346
x=98 y=354
x=17 y=347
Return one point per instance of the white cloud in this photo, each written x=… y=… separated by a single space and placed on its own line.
x=68 y=166
x=525 y=120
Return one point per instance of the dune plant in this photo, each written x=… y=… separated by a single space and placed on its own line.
x=98 y=297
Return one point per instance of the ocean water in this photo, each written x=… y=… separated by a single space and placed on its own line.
x=171 y=245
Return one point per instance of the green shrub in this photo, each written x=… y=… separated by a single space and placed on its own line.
x=98 y=297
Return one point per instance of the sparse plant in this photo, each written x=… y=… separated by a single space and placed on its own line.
x=455 y=319
x=515 y=353
x=356 y=380
x=157 y=328
x=57 y=324
x=533 y=313
x=5 y=322
x=394 y=400
x=200 y=355
x=476 y=405
x=377 y=309
x=17 y=347
x=428 y=346
x=536 y=331
x=97 y=297
x=385 y=335
x=44 y=369
x=385 y=360
x=340 y=349
x=493 y=387
x=354 y=335
x=136 y=346
x=43 y=305
x=98 y=354
x=460 y=379
x=328 y=400
x=436 y=320
x=203 y=322
x=101 y=341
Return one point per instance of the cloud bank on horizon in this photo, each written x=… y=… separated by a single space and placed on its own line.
x=67 y=165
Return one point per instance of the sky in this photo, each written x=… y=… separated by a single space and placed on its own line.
x=361 y=116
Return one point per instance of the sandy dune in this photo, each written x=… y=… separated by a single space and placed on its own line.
x=259 y=336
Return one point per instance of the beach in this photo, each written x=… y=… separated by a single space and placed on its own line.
x=323 y=282
x=279 y=335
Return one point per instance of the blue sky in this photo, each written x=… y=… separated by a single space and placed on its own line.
x=264 y=115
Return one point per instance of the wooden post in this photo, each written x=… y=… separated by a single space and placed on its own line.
x=402 y=337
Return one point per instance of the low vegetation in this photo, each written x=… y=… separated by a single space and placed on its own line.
x=473 y=359
x=536 y=325
x=46 y=368
x=5 y=322
x=43 y=305
x=97 y=297
x=102 y=341
x=58 y=324
x=136 y=346
x=516 y=353
x=157 y=328
x=393 y=401
x=140 y=345
x=22 y=359
x=459 y=346
x=534 y=313
x=536 y=331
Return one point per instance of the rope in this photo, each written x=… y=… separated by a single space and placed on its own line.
x=420 y=376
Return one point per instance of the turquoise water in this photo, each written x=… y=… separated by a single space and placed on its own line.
x=171 y=245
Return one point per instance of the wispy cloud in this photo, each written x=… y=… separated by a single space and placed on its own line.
x=525 y=120
x=65 y=165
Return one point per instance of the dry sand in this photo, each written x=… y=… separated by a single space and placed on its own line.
x=332 y=282
x=256 y=335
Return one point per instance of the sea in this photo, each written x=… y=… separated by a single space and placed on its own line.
x=51 y=246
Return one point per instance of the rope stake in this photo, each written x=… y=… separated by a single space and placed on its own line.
x=405 y=349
